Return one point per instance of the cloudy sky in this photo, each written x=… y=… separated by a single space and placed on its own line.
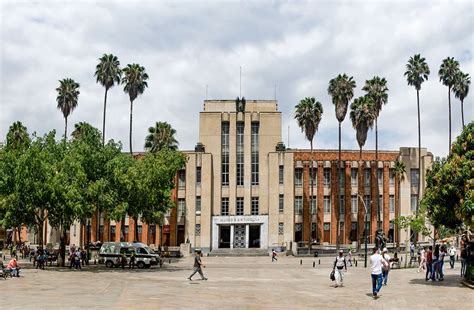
x=184 y=46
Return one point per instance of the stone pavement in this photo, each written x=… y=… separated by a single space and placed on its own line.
x=234 y=283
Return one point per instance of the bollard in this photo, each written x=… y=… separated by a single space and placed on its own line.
x=170 y=261
x=314 y=264
x=319 y=262
x=301 y=262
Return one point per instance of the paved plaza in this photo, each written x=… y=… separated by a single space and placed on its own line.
x=234 y=282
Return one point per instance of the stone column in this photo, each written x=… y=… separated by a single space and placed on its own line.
x=306 y=203
x=247 y=230
x=385 y=200
x=360 y=204
x=231 y=236
x=320 y=204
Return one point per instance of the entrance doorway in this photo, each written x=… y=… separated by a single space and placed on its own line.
x=239 y=236
x=254 y=236
x=224 y=236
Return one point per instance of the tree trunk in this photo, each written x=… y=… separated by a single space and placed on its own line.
x=136 y=229
x=338 y=209
x=311 y=198
x=65 y=128
x=122 y=229
x=103 y=121
x=419 y=153
x=131 y=118
x=449 y=103
x=462 y=112
x=377 y=172
x=19 y=234
x=62 y=245
x=40 y=228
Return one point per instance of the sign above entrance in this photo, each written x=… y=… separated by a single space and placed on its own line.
x=244 y=219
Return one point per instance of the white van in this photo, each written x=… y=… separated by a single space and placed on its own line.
x=111 y=252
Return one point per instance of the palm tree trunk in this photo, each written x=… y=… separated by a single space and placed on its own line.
x=419 y=152
x=462 y=112
x=103 y=122
x=311 y=197
x=377 y=171
x=65 y=128
x=449 y=103
x=359 y=239
x=131 y=118
x=338 y=192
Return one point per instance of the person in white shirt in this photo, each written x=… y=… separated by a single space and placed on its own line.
x=452 y=256
x=422 y=260
x=377 y=262
x=339 y=264
x=385 y=269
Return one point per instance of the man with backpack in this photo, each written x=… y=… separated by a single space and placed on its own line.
x=339 y=264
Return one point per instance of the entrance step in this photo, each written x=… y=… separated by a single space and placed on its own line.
x=238 y=252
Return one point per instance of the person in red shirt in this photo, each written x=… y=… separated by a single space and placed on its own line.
x=429 y=262
x=13 y=267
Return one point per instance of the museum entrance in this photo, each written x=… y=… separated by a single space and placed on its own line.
x=239 y=236
x=254 y=236
x=224 y=236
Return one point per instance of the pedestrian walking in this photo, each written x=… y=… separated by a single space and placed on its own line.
x=429 y=262
x=131 y=264
x=349 y=257
x=198 y=265
x=385 y=269
x=274 y=256
x=442 y=255
x=452 y=256
x=434 y=264
x=77 y=259
x=123 y=260
x=422 y=259
x=464 y=254
x=339 y=264
x=377 y=262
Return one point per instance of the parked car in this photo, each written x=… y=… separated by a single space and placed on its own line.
x=111 y=252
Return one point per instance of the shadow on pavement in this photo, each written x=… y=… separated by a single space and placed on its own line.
x=449 y=281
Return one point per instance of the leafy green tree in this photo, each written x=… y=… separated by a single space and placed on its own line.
x=18 y=138
x=107 y=73
x=461 y=89
x=448 y=72
x=135 y=81
x=68 y=94
x=449 y=195
x=413 y=225
x=377 y=90
x=160 y=137
x=417 y=72
x=308 y=115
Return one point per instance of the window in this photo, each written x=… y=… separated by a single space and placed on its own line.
x=414 y=177
x=313 y=227
x=341 y=204
x=391 y=200
x=281 y=203
x=298 y=177
x=225 y=154
x=327 y=204
x=314 y=176
x=197 y=230
x=392 y=177
x=380 y=206
x=240 y=154
x=327 y=177
x=354 y=205
x=198 y=204
x=341 y=226
x=298 y=205
x=112 y=233
x=254 y=210
x=254 y=145
x=342 y=177
x=353 y=225
x=354 y=177
x=139 y=230
x=367 y=177
x=299 y=227
x=327 y=226
x=181 y=179
x=280 y=174
x=414 y=202
x=380 y=176
x=225 y=206
x=198 y=175
x=181 y=207
x=281 y=229
x=314 y=205
x=239 y=206
x=367 y=203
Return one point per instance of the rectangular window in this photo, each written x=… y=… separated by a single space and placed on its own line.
x=380 y=176
x=197 y=230
x=281 y=229
x=414 y=202
x=313 y=227
x=341 y=204
x=298 y=205
x=367 y=177
x=327 y=226
x=280 y=174
x=414 y=177
x=327 y=177
x=327 y=204
x=254 y=210
x=181 y=207
x=281 y=203
x=139 y=230
x=240 y=154
x=314 y=205
x=112 y=233
x=181 y=179
x=255 y=154
x=239 y=206
x=198 y=204
x=314 y=176
x=380 y=203
x=198 y=175
x=225 y=154
x=392 y=177
x=298 y=177
x=391 y=200
x=367 y=203
x=225 y=206
x=354 y=204
x=342 y=177
x=354 y=177
x=299 y=227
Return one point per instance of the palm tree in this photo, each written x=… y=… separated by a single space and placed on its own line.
x=400 y=173
x=108 y=73
x=461 y=89
x=160 y=137
x=135 y=83
x=377 y=89
x=417 y=72
x=17 y=137
x=68 y=93
x=362 y=117
x=341 y=89
x=447 y=75
x=308 y=114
